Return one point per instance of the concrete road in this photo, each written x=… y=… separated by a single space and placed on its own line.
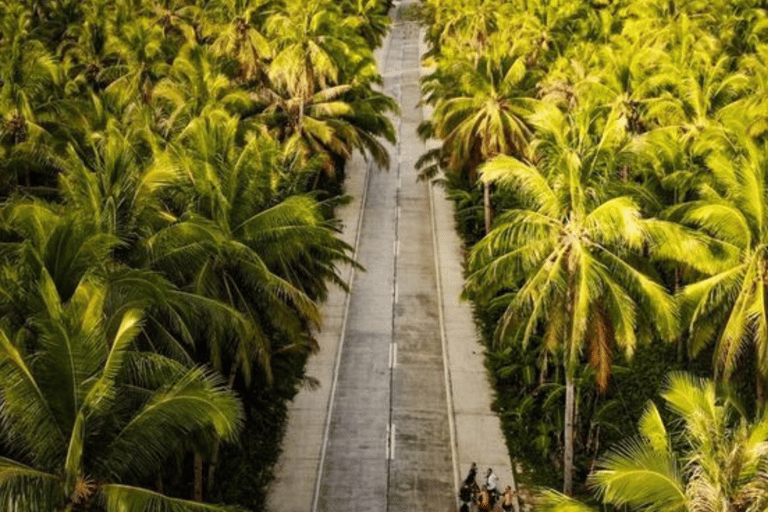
x=389 y=444
x=404 y=402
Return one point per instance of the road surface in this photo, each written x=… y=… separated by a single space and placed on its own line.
x=404 y=403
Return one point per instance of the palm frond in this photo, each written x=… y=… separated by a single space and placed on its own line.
x=118 y=498
x=652 y=429
x=196 y=404
x=29 y=423
x=529 y=182
x=26 y=488
x=640 y=476
x=553 y=501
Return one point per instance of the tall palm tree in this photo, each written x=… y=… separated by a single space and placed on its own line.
x=727 y=303
x=73 y=247
x=109 y=183
x=30 y=90
x=483 y=119
x=29 y=75
x=311 y=55
x=706 y=90
x=329 y=125
x=467 y=28
x=566 y=252
x=138 y=57
x=87 y=418
x=370 y=17
x=243 y=242
x=242 y=40
x=720 y=466
x=633 y=75
x=194 y=84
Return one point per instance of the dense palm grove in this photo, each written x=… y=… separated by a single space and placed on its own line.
x=169 y=175
x=609 y=161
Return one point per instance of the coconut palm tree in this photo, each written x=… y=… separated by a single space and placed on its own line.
x=715 y=459
x=73 y=247
x=30 y=90
x=370 y=17
x=245 y=239
x=565 y=253
x=29 y=73
x=87 y=418
x=634 y=76
x=242 y=40
x=727 y=305
x=484 y=118
x=311 y=55
x=135 y=49
x=245 y=244
x=194 y=84
x=329 y=125
x=109 y=184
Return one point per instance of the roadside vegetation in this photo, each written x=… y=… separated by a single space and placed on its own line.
x=608 y=161
x=168 y=177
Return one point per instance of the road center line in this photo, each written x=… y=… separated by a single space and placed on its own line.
x=387 y=449
x=391 y=443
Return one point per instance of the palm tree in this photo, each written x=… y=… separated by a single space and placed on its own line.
x=243 y=41
x=109 y=184
x=467 y=28
x=633 y=75
x=136 y=52
x=244 y=244
x=311 y=55
x=29 y=74
x=30 y=90
x=87 y=418
x=370 y=17
x=720 y=466
x=566 y=252
x=328 y=126
x=74 y=247
x=194 y=84
x=706 y=91
x=483 y=119
x=247 y=239
x=727 y=303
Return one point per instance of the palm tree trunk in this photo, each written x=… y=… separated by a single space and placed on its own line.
x=487 y=206
x=212 y=466
x=215 y=456
x=570 y=407
x=197 y=490
x=570 y=362
x=681 y=339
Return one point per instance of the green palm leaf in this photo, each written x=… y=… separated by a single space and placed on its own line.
x=26 y=488
x=119 y=498
x=639 y=476
x=197 y=404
